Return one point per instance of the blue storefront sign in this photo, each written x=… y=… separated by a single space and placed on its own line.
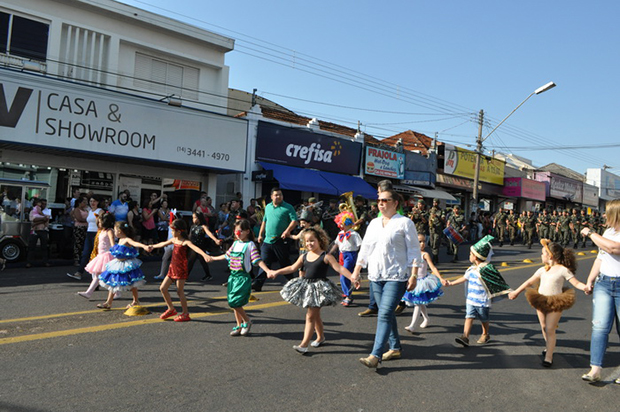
x=304 y=148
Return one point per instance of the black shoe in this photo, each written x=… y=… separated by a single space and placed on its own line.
x=501 y=244
x=206 y=278
x=256 y=287
x=399 y=309
x=547 y=364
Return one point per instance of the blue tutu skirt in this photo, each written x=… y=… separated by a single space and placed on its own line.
x=427 y=290
x=122 y=274
x=311 y=293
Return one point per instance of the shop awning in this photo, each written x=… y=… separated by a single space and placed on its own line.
x=430 y=193
x=304 y=180
x=346 y=183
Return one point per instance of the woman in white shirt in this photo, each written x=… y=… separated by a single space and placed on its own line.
x=389 y=250
x=604 y=282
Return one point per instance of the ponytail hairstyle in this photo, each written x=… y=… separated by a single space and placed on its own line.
x=202 y=220
x=244 y=224
x=107 y=220
x=563 y=256
x=125 y=229
x=318 y=233
x=180 y=226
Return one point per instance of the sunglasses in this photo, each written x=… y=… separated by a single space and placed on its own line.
x=384 y=200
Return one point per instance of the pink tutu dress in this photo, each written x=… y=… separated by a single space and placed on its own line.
x=98 y=264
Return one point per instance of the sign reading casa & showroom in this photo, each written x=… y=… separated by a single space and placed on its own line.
x=35 y=110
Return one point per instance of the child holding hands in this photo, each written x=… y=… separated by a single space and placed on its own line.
x=97 y=265
x=348 y=242
x=550 y=298
x=241 y=256
x=178 y=269
x=427 y=290
x=484 y=282
x=312 y=290
x=123 y=272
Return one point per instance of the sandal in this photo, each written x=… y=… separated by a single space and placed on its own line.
x=183 y=317
x=167 y=314
x=132 y=304
x=104 y=306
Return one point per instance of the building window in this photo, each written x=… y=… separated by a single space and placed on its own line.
x=23 y=37
x=165 y=77
x=84 y=54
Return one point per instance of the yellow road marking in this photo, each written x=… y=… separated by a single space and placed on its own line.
x=86 y=312
x=91 y=329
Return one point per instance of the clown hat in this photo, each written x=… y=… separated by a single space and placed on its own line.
x=483 y=249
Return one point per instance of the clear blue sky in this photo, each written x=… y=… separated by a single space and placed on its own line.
x=430 y=66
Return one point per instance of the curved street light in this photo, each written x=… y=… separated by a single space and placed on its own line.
x=480 y=140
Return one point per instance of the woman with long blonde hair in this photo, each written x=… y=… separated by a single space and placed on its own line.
x=604 y=283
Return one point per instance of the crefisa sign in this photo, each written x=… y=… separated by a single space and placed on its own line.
x=303 y=148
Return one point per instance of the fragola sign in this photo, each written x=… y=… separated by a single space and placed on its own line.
x=384 y=163
x=304 y=148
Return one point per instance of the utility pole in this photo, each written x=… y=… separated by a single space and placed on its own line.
x=478 y=157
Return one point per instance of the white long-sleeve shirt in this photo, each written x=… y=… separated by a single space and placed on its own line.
x=390 y=252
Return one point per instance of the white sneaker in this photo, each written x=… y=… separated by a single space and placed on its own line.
x=245 y=328
x=317 y=343
x=76 y=276
x=300 y=349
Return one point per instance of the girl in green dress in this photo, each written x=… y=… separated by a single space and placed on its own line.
x=241 y=256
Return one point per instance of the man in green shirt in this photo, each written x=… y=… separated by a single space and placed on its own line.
x=279 y=221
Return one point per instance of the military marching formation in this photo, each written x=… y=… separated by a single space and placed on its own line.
x=562 y=227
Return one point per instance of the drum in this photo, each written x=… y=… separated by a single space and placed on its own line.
x=454 y=236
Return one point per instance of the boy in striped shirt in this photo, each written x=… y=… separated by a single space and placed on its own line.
x=478 y=301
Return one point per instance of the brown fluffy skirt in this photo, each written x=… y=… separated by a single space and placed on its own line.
x=555 y=303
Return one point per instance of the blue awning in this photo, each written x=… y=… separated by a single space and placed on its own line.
x=346 y=183
x=304 y=180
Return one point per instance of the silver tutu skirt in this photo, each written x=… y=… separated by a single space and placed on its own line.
x=311 y=293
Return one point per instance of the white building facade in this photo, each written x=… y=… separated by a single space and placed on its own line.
x=102 y=96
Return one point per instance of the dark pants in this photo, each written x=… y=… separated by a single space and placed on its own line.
x=89 y=243
x=191 y=260
x=42 y=235
x=270 y=253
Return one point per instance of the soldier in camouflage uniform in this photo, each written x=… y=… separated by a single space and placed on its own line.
x=511 y=226
x=529 y=227
x=554 y=233
x=544 y=225
x=584 y=221
x=419 y=216
x=499 y=224
x=574 y=222
x=457 y=221
x=564 y=228
x=436 y=223
x=602 y=223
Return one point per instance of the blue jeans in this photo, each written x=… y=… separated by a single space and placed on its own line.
x=387 y=295
x=605 y=308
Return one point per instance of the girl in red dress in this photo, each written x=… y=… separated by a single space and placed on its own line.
x=178 y=269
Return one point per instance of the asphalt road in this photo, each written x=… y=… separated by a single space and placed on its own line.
x=59 y=353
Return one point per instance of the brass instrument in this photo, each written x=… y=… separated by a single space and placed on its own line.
x=349 y=206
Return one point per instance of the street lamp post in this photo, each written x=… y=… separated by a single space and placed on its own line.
x=480 y=140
